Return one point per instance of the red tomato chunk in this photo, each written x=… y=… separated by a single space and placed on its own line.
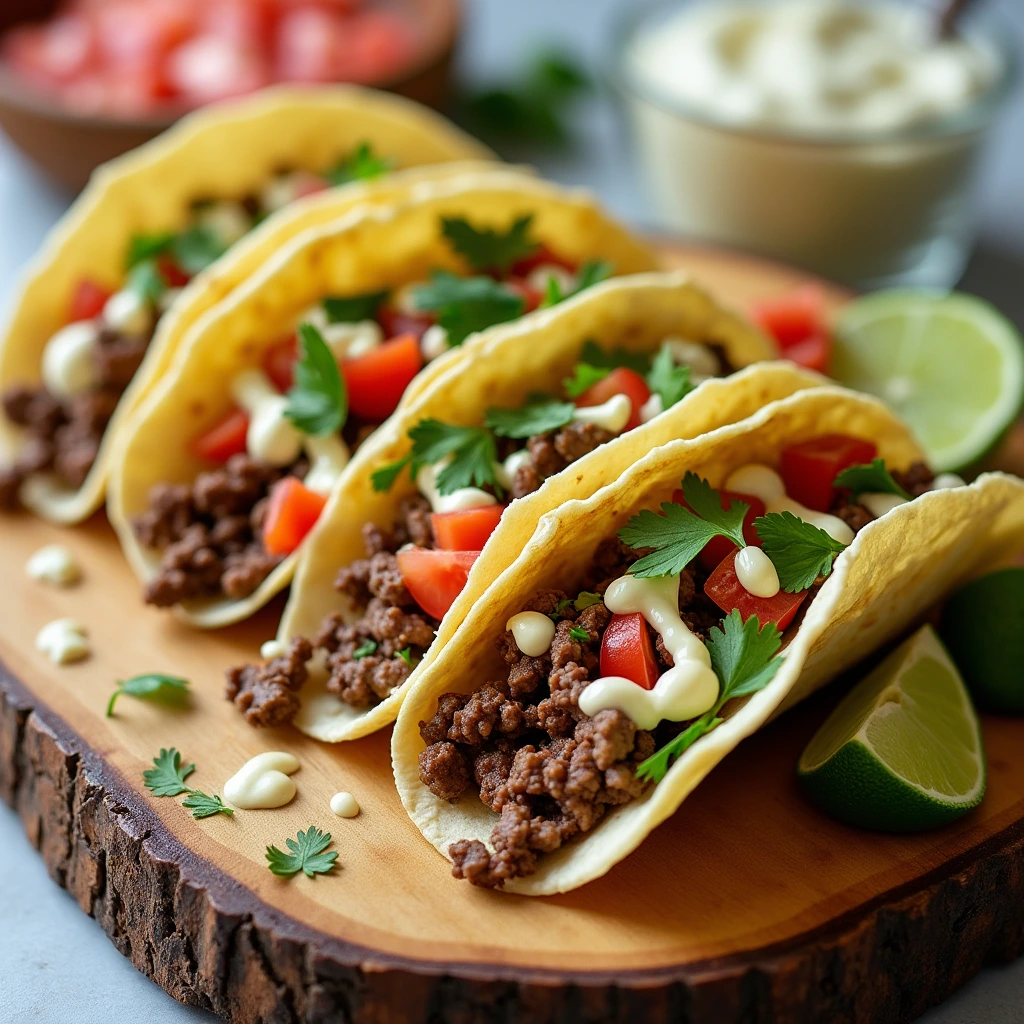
x=810 y=467
x=88 y=300
x=435 y=578
x=465 y=530
x=224 y=439
x=626 y=651
x=377 y=381
x=724 y=588
x=622 y=381
x=292 y=512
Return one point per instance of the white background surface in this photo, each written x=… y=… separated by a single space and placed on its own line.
x=56 y=966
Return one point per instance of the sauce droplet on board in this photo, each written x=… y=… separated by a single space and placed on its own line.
x=262 y=782
x=344 y=805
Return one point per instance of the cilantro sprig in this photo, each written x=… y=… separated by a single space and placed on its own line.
x=678 y=534
x=465 y=305
x=306 y=854
x=362 y=164
x=537 y=416
x=350 y=309
x=743 y=655
x=151 y=686
x=668 y=380
x=318 y=401
x=872 y=478
x=595 y=363
x=167 y=778
x=486 y=249
x=590 y=273
x=800 y=551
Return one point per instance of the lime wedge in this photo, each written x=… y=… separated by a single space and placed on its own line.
x=949 y=364
x=902 y=752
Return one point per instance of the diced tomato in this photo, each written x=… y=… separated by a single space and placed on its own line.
x=815 y=353
x=172 y=274
x=308 y=39
x=718 y=547
x=208 y=67
x=810 y=467
x=139 y=35
x=521 y=268
x=225 y=439
x=466 y=530
x=435 y=578
x=724 y=588
x=88 y=300
x=377 y=381
x=374 y=44
x=52 y=53
x=531 y=297
x=621 y=381
x=626 y=651
x=305 y=183
x=793 y=316
x=247 y=23
x=279 y=363
x=393 y=322
x=291 y=513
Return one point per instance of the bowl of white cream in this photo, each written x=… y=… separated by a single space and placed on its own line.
x=837 y=135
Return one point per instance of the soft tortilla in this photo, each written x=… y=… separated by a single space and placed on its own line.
x=513 y=362
x=365 y=250
x=225 y=151
x=894 y=570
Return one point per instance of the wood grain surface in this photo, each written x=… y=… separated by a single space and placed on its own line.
x=747 y=905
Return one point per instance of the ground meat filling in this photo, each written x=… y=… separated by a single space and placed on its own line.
x=365 y=659
x=210 y=532
x=551 y=452
x=63 y=436
x=916 y=480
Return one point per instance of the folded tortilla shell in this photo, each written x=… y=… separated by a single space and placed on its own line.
x=896 y=567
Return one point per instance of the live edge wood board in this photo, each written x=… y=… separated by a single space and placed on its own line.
x=746 y=906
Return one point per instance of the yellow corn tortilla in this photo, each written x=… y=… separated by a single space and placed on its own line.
x=223 y=152
x=882 y=583
x=513 y=362
x=365 y=250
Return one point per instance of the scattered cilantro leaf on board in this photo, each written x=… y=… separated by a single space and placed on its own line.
x=872 y=478
x=743 y=656
x=678 y=535
x=465 y=305
x=365 y=649
x=537 y=416
x=168 y=774
x=362 y=164
x=667 y=379
x=306 y=854
x=350 y=309
x=318 y=401
x=800 y=551
x=154 y=685
x=488 y=249
x=203 y=806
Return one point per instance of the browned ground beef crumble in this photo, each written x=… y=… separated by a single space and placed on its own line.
x=63 y=435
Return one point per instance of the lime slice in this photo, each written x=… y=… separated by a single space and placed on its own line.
x=950 y=365
x=902 y=752
x=983 y=627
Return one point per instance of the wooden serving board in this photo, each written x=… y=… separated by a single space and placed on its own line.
x=748 y=905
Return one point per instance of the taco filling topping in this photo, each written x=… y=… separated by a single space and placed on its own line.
x=466 y=475
x=679 y=615
x=296 y=420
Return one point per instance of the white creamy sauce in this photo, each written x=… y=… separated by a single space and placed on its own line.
x=612 y=415
x=344 y=805
x=540 y=275
x=686 y=690
x=457 y=501
x=278 y=192
x=764 y=483
x=878 y=504
x=505 y=472
x=817 y=66
x=434 y=342
x=701 y=360
x=532 y=632
x=63 y=641
x=128 y=312
x=756 y=572
x=54 y=564
x=271 y=649
x=651 y=408
x=263 y=782
x=329 y=456
x=944 y=481
x=346 y=340
x=69 y=364
x=227 y=219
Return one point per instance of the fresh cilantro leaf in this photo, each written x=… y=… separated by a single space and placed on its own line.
x=584 y=376
x=668 y=380
x=203 y=806
x=145 y=247
x=306 y=855
x=350 y=309
x=800 y=551
x=360 y=165
x=318 y=401
x=872 y=478
x=743 y=657
x=384 y=478
x=537 y=416
x=472 y=451
x=487 y=249
x=678 y=535
x=586 y=599
x=365 y=649
x=579 y=633
x=406 y=655
x=612 y=359
x=146 y=281
x=465 y=305
x=590 y=273
x=168 y=774
x=195 y=248
x=154 y=684
x=552 y=293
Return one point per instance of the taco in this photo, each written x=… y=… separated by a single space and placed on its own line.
x=627 y=650
x=132 y=265
x=446 y=494
x=390 y=296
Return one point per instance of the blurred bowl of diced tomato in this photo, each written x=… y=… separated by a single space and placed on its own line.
x=82 y=81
